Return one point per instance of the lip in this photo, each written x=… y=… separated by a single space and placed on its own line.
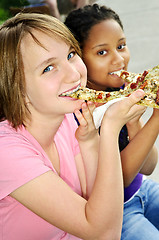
x=116 y=72
x=73 y=89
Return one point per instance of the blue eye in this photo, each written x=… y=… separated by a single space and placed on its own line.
x=103 y=52
x=47 y=69
x=71 y=55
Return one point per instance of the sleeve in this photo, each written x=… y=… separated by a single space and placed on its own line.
x=20 y=162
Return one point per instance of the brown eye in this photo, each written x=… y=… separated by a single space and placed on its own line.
x=103 y=52
x=120 y=47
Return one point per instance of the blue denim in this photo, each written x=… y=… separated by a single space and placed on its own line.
x=141 y=214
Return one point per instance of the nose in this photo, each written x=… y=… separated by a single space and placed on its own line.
x=71 y=72
x=117 y=58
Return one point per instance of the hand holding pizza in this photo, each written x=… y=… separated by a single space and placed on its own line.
x=86 y=130
x=125 y=110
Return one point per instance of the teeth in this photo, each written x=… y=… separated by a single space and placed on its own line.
x=70 y=92
x=116 y=72
x=74 y=90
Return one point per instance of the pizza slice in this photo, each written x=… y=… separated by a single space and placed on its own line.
x=138 y=77
x=92 y=95
x=130 y=77
x=147 y=81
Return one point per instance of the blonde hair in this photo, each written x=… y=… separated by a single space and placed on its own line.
x=12 y=80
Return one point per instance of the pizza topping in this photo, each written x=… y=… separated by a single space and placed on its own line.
x=142 y=77
x=127 y=76
x=157 y=97
x=133 y=85
x=107 y=95
x=124 y=73
x=143 y=85
x=100 y=96
x=145 y=73
x=139 y=79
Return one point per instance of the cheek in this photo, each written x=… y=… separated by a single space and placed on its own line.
x=80 y=65
x=91 y=64
x=127 y=58
x=40 y=91
x=84 y=69
x=97 y=68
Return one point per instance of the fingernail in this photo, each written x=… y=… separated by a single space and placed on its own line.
x=139 y=93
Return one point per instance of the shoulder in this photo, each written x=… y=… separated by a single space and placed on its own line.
x=10 y=137
x=20 y=158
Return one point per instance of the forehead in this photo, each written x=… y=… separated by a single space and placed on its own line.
x=39 y=42
x=39 y=38
x=40 y=47
x=105 y=28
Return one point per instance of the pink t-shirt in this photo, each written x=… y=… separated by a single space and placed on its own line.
x=23 y=159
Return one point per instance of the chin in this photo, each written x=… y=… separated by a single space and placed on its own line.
x=77 y=104
x=119 y=84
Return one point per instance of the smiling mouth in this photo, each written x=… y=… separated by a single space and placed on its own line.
x=118 y=73
x=67 y=93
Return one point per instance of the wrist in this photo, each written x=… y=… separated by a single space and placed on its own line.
x=110 y=128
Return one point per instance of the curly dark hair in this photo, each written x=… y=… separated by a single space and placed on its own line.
x=80 y=21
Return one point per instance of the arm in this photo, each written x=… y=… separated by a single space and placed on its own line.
x=88 y=139
x=99 y=217
x=140 y=155
x=151 y=158
x=133 y=127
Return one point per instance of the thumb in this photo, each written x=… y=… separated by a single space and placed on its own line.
x=136 y=96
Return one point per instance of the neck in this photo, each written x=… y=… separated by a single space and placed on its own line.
x=44 y=130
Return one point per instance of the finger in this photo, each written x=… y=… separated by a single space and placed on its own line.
x=136 y=110
x=97 y=104
x=135 y=97
x=82 y=121
x=87 y=111
x=91 y=106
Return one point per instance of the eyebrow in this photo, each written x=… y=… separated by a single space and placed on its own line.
x=45 y=62
x=121 y=39
x=105 y=44
x=49 y=60
x=100 y=45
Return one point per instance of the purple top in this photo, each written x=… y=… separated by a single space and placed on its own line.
x=133 y=187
